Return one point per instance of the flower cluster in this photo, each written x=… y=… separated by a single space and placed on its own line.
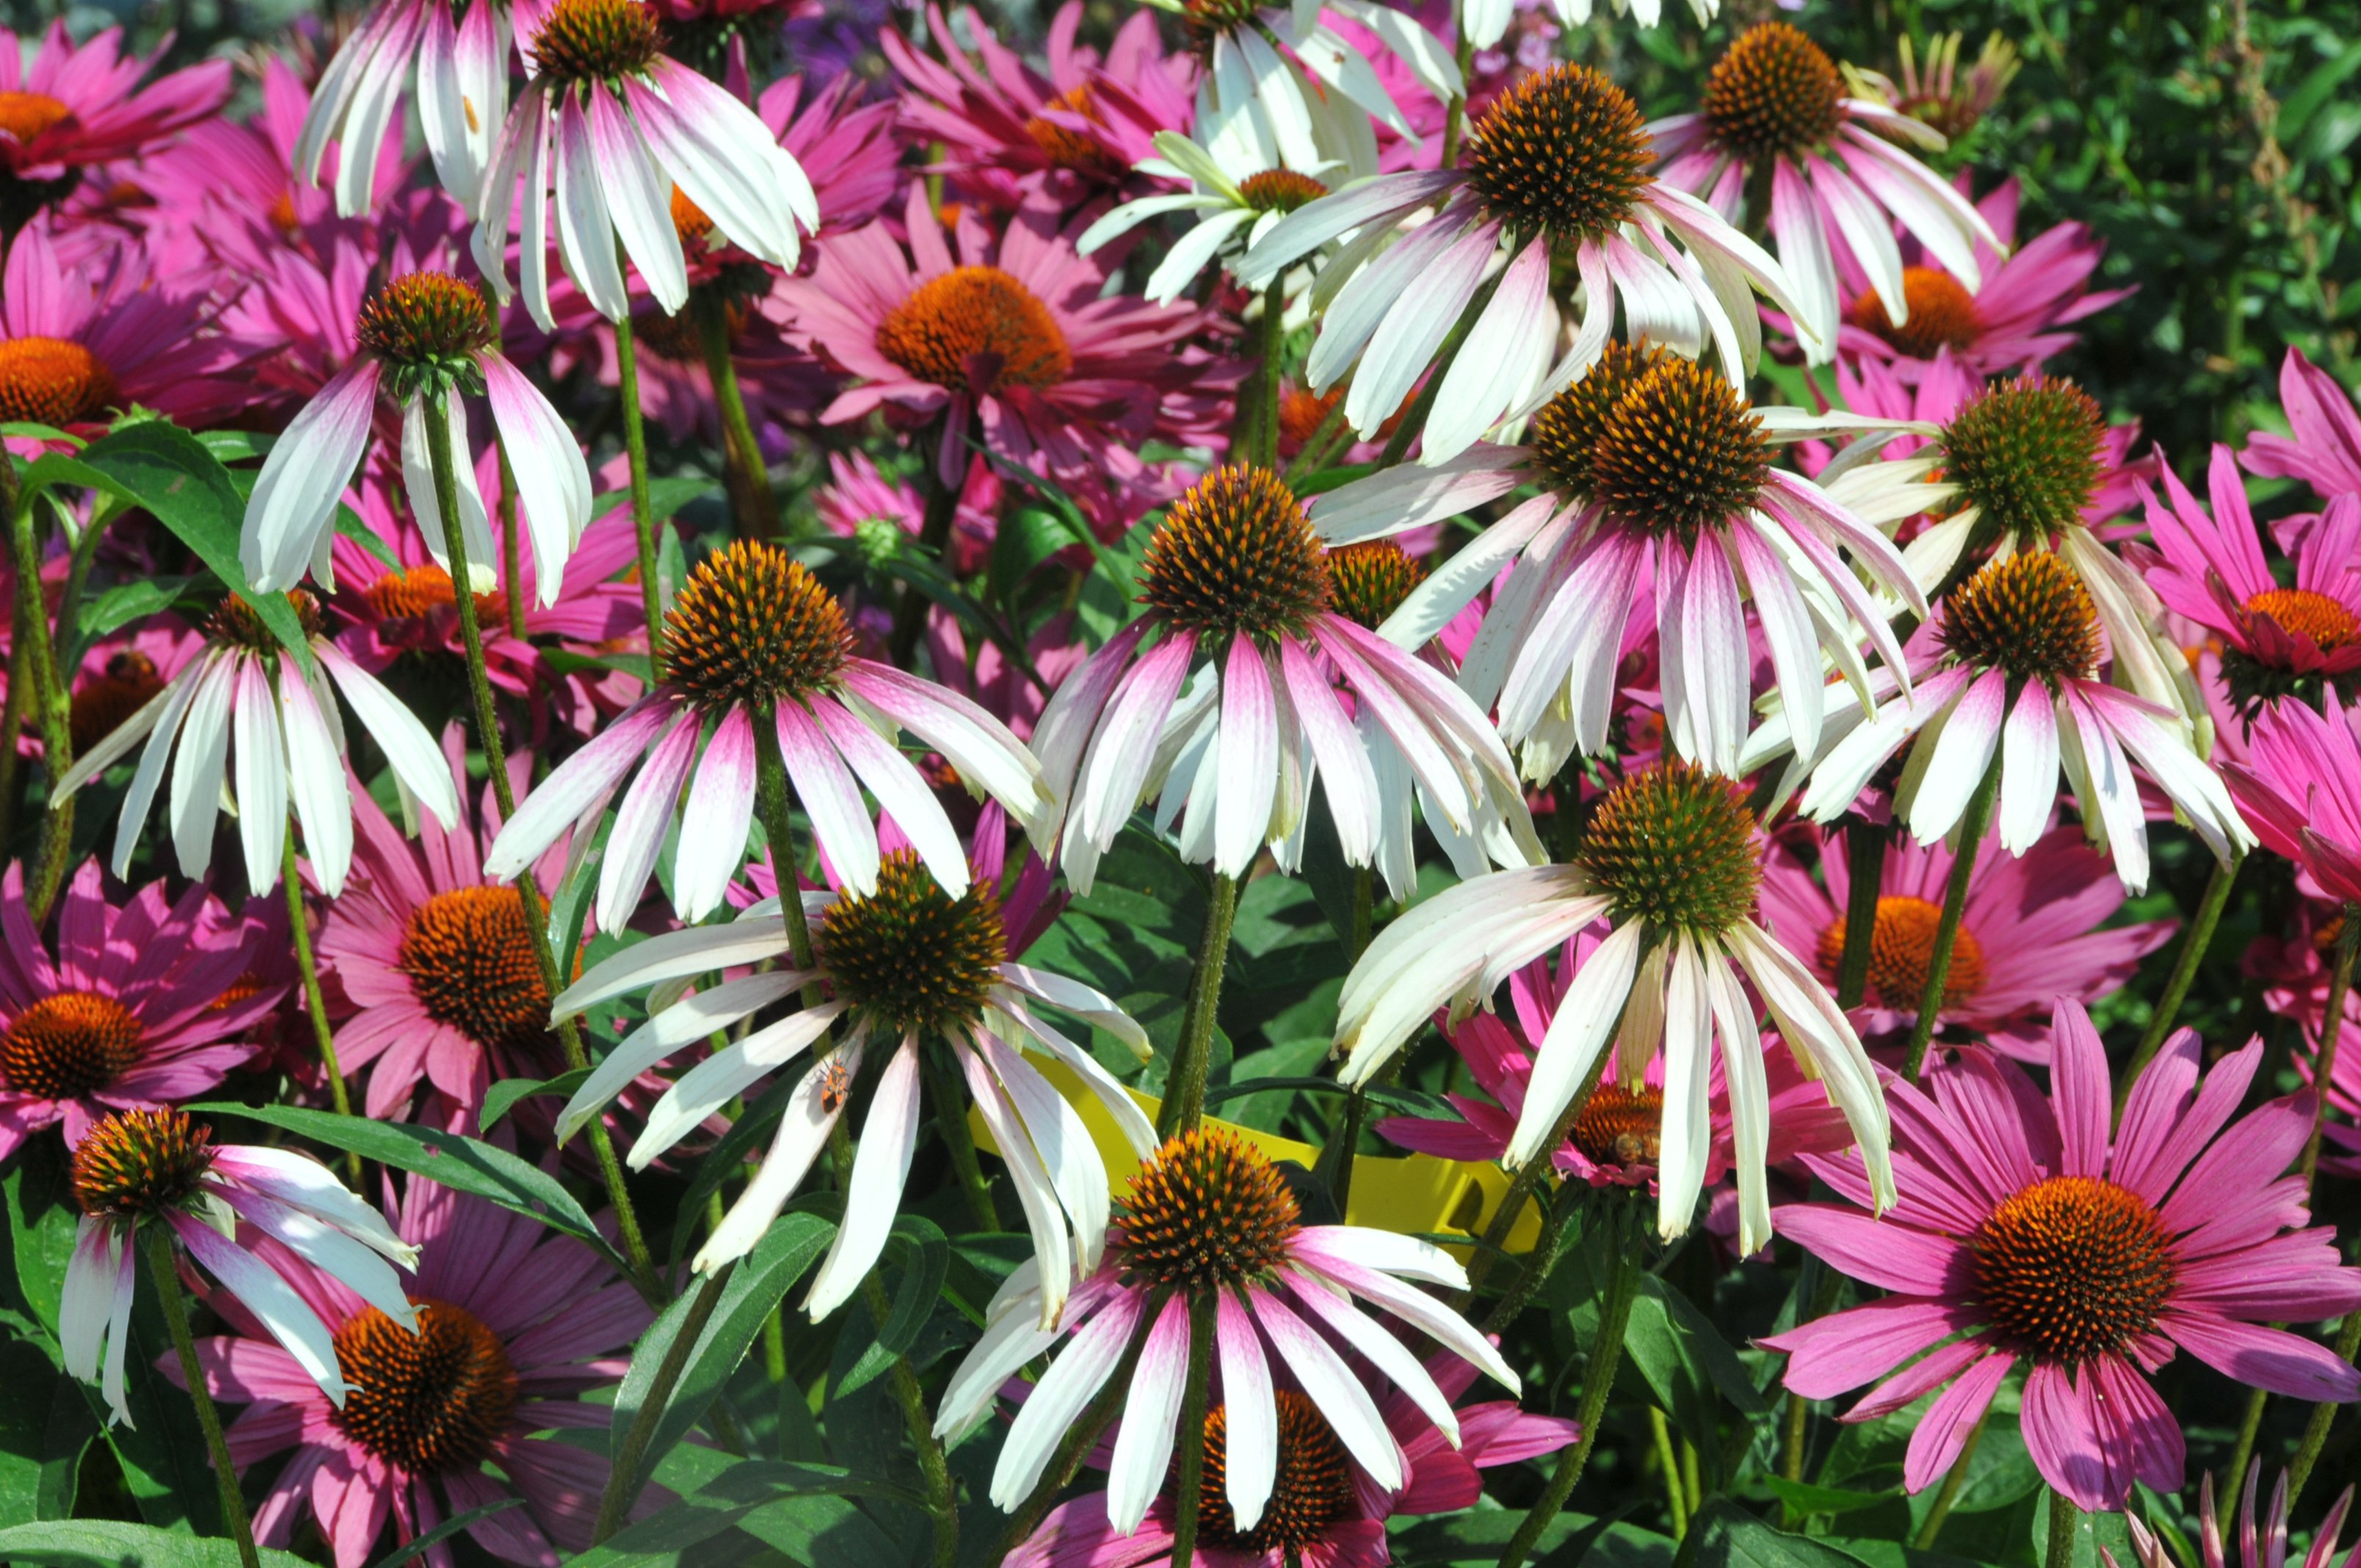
x=1213 y=721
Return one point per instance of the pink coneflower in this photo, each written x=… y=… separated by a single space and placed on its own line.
x=1234 y=573
x=1777 y=111
x=79 y=105
x=290 y=749
x=2032 y=1234
x=81 y=340
x=2014 y=682
x=2008 y=321
x=859 y=503
x=2326 y=450
x=1014 y=332
x=256 y=1219
x=1009 y=131
x=1657 y=484
x=753 y=638
x=424 y=335
x=1618 y=1136
x=2035 y=928
x=439 y=963
x=910 y=970
x=1210 y=1214
x=1671 y=861
x=143 y=1005
x=2265 y=1549
x=1556 y=167
x=2274 y=640
x=514 y=1323
x=1323 y=1511
x=629 y=127
x=2301 y=791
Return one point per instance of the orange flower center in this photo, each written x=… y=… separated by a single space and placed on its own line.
x=1313 y=1488
x=1065 y=146
x=596 y=40
x=1902 y=949
x=2073 y=1267
x=1280 y=191
x=1942 y=313
x=51 y=380
x=431 y=1402
x=423 y=589
x=689 y=221
x=975 y=329
x=62 y=1047
x=1620 y=1126
x=1209 y=1211
x=138 y=1163
x=468 y=954
x=26 y=115
x=1774 y=92
x=2326 y=623
x=129 y=684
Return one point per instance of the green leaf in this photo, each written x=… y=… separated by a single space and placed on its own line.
x=1726 y=1536
x=1391 y=1096
x=120 y=606
x=748 y=1298
x=446 y=1531
x=750 y=1494
x=567 y=661
x=163 y=468
x=2313 y=92
x=1805 y=1499
x=31 y=431
x=463 y=1165
x=666 y=495
x=727 y=1158
x=45 y=1424
x=238 y=445
x=929 y=1258
x=502 y=1097
x=106 y=1543
x=350 y=526
x=1691 y=1369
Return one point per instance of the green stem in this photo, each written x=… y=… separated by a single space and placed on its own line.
x=1947 y=932
x=1185 y=1090
x=1540 y=1261
x=496 y=764
x=1606 y=1356
x=1522 y=1186
x=615 y=1503
x=299 y=925
x=1455 y=118
x=934 y=535
x=12 y=724
x=2324 y=1415
x=950 y=1118
x=1676 y=1500
x=643 y=514
x=2064 y=1517
x=942 y=1502
x=1190 y=1488
x=55 y=709
x=1254 y=438
x=1952 y=1483
x=2184 y=970
x=1823 y=1295
x=1346 y=1148
x=779 y=828
x=2331 y=1029
x=176 y=1318
x=1865 y=843
x=758 y=513
x=2249 y=1427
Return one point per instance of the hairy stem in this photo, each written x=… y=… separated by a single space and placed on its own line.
x=948 y=1105
x=643 y=511
x=2064 y=1518
x=1190 y=1488
x=1184 y=1091
x=2184 y=970
x=1529 y=1177
x=496 y=764
x=1865 y=843
x=512 y=546
x=315 y=1002
x=1947 y=932
x=1598 y=1381
x=53 y=707
x=176 y=1318
x=622 y=1490
x=2324 y=1415
x=750 y=488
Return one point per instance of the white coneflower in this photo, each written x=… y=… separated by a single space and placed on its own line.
x=424 y=335
x=1556 y=167
x=908 y=969
x=463 y=94
x=138 y=1169
x=289 y=752
x=1671 y=861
